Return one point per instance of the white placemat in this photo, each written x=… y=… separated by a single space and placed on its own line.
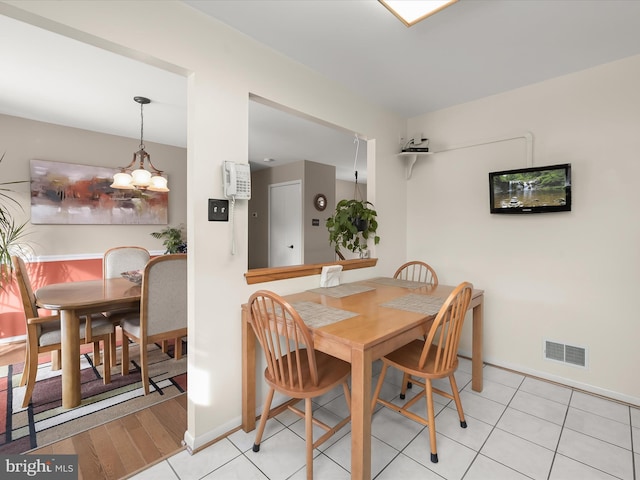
x=424 y=304
x=316 y=315
x=342 y=290
x=397 y=282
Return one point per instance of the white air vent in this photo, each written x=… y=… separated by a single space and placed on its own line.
x=560 y=352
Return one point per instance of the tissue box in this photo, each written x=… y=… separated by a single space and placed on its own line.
x=330 y=276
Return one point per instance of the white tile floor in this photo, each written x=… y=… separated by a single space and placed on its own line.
x=518 y=428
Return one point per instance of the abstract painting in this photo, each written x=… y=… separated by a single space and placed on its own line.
x=68 y=193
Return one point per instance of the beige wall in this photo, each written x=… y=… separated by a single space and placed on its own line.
x=225 y=67
x=346 y=190
x=567 y=277
x=23 y=140
x=318 y=178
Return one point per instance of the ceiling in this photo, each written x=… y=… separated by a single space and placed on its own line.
x=470 y=50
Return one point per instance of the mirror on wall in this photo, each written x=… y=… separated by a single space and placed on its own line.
x=300 y=168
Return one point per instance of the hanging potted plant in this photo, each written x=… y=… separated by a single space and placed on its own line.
x=351 y=225
x=354 y=221
x=173 y=239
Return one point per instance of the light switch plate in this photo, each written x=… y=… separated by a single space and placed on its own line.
x=218 y=210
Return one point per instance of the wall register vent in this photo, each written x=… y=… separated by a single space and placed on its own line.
x=560 y=352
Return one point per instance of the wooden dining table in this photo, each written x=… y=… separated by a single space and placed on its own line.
x=382 y=314
x=73 y=300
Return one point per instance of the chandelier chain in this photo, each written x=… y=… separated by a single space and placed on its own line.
x=141 y=126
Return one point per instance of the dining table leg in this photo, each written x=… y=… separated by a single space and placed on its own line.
x=248 y=374
x=70 y=329
x=476 y=345
x=361 y=414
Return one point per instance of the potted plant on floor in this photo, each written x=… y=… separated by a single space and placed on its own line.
x=351 y=225
x=173 y=239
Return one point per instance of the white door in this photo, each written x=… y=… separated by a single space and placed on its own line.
x=285 y=224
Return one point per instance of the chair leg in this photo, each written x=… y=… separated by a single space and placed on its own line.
x=125 y=354
x=347 y=395
x=113 y=346
x=25 y=369
x=432 y=420
x=32 y=370
x=263 y=420
x=144 y=368
x=106 y=366
x=97 y=360
x=406 y=383
x=56 y=360
x=376 y=393
x=165 y=346
x=177 y=349
x=456 y=398
x=308 y=428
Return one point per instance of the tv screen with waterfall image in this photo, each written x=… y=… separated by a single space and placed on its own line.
x=531 y=190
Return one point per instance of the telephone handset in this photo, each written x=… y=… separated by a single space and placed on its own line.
x=237 y=180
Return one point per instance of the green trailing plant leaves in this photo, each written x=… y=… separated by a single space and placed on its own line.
x=343 y=225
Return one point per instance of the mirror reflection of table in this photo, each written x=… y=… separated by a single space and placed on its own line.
x=72 y=300
x=373 y=331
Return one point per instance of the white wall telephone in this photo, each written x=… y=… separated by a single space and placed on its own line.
x=237 y=180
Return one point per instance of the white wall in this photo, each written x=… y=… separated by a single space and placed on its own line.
x=568 y=277
x=225 y=68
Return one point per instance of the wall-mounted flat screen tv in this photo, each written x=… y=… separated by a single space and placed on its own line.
x=531 y=190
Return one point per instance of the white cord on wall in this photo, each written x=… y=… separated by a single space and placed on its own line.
x=528 y=136
x=233 y=228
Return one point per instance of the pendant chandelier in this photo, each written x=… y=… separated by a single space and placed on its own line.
x=140 y=178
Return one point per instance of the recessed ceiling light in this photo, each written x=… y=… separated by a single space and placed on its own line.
x=268 y=160
x=411 y=12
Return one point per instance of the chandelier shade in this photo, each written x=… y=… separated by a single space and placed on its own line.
x=132 y=178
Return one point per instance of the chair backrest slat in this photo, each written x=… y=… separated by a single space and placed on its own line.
x=416 y=271
x=443 y=337
x=285 y=340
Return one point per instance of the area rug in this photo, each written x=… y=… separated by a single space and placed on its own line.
x=45 y=421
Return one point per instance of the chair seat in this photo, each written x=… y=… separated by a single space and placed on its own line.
x=331 y=372
x=50 y=333
x=131 y=323
x=407 y=359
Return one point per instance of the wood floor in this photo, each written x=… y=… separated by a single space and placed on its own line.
x=124 y=446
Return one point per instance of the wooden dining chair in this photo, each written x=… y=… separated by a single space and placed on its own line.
x=44 y=334
x=294 y=368
x=163 y=311
x=433 y=358
x=417 y=271
x=122 y=259
x=115 y=261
